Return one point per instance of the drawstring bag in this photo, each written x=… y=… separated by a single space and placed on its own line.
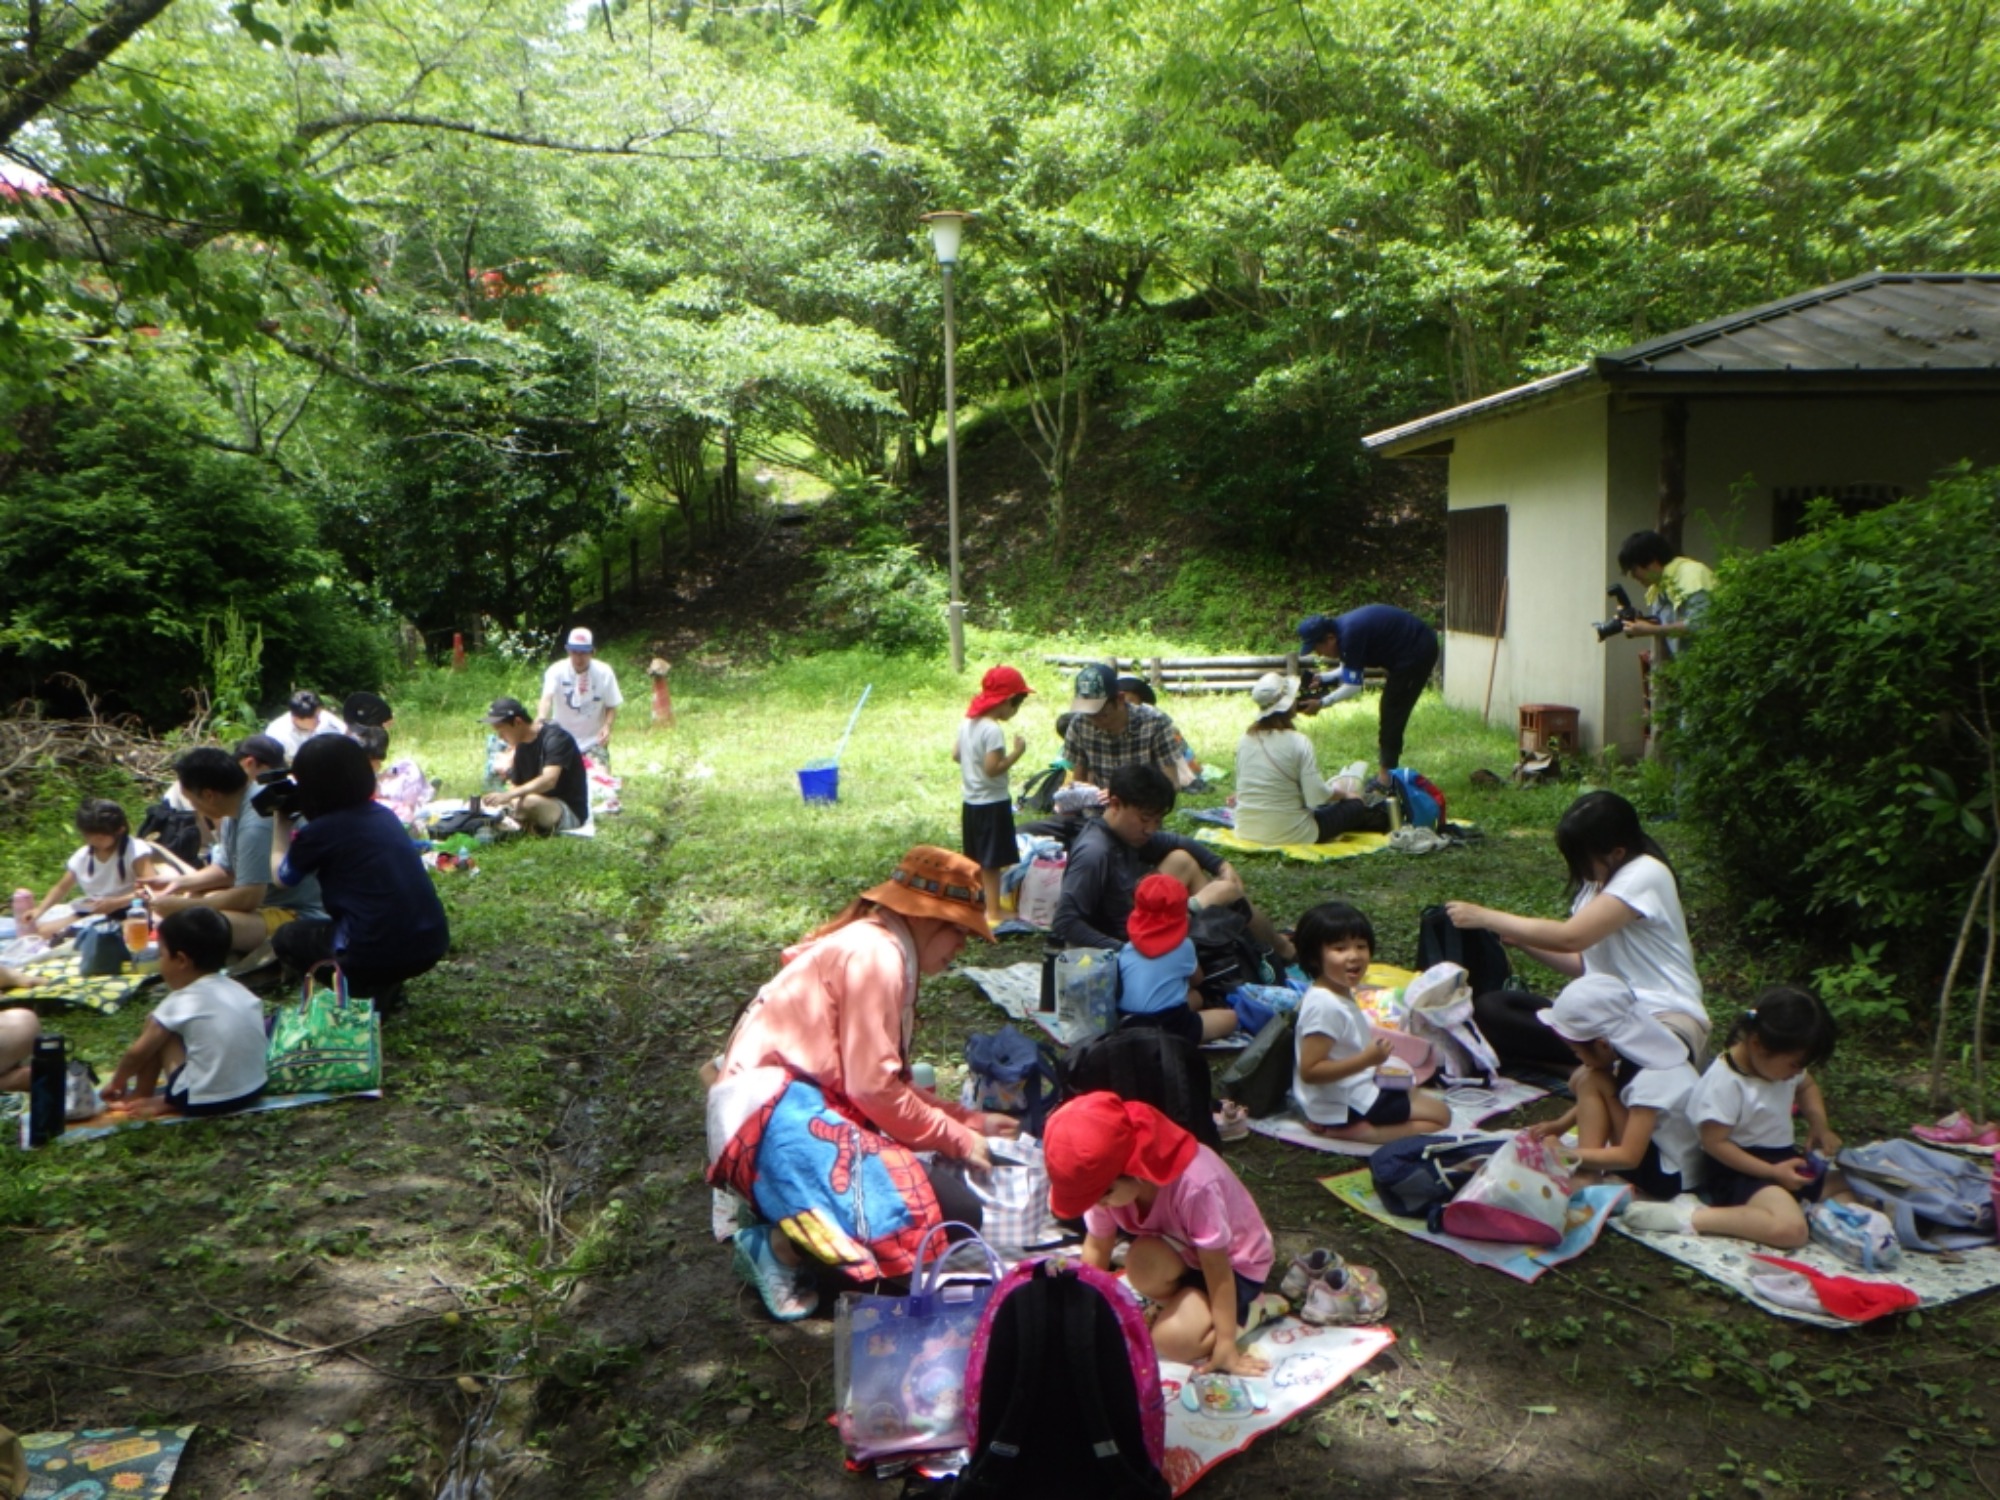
x=1007 y=1074
x=1519 y=1197
x=329 y=1043
x=101 y=952
x=1438 y=1008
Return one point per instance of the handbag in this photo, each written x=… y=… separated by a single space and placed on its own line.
x=1519 y=1197
x=1013 y=1197
x=1260 y=1077
x=329 y=1043
x=101 y=950
x=899 y=1362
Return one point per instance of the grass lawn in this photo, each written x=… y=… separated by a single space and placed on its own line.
x=506 y=1264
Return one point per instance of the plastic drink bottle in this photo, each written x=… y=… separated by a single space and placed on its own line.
x=24 y=908
x=137 y=923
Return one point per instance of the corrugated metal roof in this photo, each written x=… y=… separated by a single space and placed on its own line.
x=1893 y=328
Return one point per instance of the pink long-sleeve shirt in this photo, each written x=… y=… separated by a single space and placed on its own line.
x=840 y=1012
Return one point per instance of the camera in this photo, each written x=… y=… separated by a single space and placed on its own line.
x=1615 y=626
x=276 y=793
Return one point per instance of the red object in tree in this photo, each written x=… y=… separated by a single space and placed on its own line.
x=457 y=651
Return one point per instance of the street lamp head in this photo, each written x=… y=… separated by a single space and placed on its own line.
x=947 y=225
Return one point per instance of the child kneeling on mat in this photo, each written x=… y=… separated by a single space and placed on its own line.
x=207 y=1036
x=1337 y=1054
x=1200 y=1251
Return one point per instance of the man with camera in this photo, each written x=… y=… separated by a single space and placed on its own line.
x=1375 y=635
x=1678 y=590
x=238 y=884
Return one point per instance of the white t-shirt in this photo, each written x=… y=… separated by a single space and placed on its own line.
x=286 y=733
x=222 y=1026
x=975 y=738
x=1668 y=1091
x=1277 y=786
x=1653 y=954
x=1323 y=1013
x=97 y=878
x=1757 y=1111
x=579 y=702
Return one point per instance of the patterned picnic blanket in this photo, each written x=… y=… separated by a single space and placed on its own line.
x=67 y=986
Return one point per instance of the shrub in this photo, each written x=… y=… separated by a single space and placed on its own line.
x=1829 y=720
x=887 y=597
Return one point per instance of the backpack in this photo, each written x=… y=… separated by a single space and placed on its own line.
x=174 y=829
x=1438 y=1008
x=1229 y=957
x=1260 y=1076
x=101 y=950
x=1420 y=1173
x=1937 y=1201
x=1147 y=1065
x=1009 y=1074
x=1422 y=801
x=1038 y=792
x=1062 y=1391
x=1481 y=954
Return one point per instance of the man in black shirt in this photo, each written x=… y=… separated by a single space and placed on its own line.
x=550 y=792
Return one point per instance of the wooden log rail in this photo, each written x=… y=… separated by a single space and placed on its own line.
x=1202 y=674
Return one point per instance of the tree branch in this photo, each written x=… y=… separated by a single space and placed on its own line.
x=46 y=85
x=634 y=145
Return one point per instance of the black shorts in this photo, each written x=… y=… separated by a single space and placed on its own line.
x=1649 y=1178
x=1349 y=815
x=178 y=1099
x=986 y=832
x=1175 y=1020
x=1391 y=1107
x=1247 y=1291
x=1729 y=1188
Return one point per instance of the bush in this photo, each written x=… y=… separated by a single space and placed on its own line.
x=887 y=597
x=1828 y=722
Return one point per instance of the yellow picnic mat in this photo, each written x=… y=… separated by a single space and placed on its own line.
x=1345 y=847
x=67 y=986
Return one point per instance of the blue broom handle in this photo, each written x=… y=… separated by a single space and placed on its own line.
x=839 y=749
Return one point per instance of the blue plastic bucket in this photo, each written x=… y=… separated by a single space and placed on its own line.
x=820 y=782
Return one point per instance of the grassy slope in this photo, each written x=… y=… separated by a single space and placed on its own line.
x=535 y=1174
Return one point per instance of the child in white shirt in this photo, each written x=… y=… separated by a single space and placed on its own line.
x=105 y=872
x=986 y=820
x=207 y=1036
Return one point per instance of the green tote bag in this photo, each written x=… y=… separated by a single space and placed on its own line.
x=329 y=1043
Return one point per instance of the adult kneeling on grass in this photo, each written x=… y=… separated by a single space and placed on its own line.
x=550 y=789
x=387 y=924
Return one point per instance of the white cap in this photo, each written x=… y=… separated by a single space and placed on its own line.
x=1599 y=1007
x=580 y=640
x=1274 y=692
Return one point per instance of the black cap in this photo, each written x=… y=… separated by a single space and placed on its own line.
x=505 y=711
x=304 y=703
x=366 y=708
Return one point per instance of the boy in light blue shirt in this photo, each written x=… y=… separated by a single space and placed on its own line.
x=1157 y=970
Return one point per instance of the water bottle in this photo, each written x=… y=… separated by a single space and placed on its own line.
x=137 y=924
x=24 y=909
x=48 y=1075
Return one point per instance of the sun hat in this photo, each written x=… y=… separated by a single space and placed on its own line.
x=1095 y=1139
x=1599 y=1007
x=934 y=882
x=1274 y=693
x=505 y=711
x=995 y=688
x=1139 y=688
x=1093 y=689
x=1315 y=628
x=581 y=639
x=1159 y=919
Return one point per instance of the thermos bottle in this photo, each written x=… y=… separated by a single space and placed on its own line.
x=48 y=1073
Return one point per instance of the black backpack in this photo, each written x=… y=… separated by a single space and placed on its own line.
x=1059 y=1411
x=1147 y=1065
x=1229 y=957
x=174 y=829
x=1481 y=954
x=1038 y=792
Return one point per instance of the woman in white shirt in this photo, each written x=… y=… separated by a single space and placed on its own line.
x=1280 y=796
x=1625 y=920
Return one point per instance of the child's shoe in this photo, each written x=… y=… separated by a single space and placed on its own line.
x=1232 y=1121
x=1304 y=1271
x=788 y=1291
x=1351 y=1294
x=1958 y=1129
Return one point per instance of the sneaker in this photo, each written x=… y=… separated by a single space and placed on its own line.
x=1958 y=1129
x=1676 y=1217
x=788 y=1291
x=1352 y=1294
x=1232 y=1121
x=1265 y=1307
x=1305 y=1270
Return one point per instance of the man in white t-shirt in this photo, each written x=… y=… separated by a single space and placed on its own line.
x=303 y=718
x=581 y=694
x=206 y=1037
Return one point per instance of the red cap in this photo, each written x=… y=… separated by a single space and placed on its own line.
x=1095 y=1139
x=996 y=687
x=1159 y=918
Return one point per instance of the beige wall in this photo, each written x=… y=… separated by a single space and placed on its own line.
x=1547 y=465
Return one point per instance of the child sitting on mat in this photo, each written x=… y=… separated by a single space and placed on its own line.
x=105 y=872
x=207 y=1036
x=1200 y=1250
x=1632 y=1088
x=1757 y=1175
x=1336 y=1053
x=1157 y=972
x=986 y=819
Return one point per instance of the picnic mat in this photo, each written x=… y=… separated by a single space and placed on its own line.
x=1017 y=989
x=1470 y=1105
x=1345 y=847
x=122 y=1461
x=1307 y=1365
x=1589 y=1209
x=13 y=1107
x=1932 y=1277
x=67 y=986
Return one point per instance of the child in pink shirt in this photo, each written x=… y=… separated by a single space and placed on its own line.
x=1200 y=1249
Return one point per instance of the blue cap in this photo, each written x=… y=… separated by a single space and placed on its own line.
x=1313 y=628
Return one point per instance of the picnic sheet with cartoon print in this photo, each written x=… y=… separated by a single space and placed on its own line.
x=104 y=994
x=1589 y=1210
x=1017 y=989
x=124 y=1461
x=1471 y=1104
x=13 y=1108
x=1347 y=846
x=1937 y=1279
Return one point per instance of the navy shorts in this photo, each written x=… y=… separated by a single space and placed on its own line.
x=1391 y=1107
x=178 y=1099
x=1729 y=1188
x=1650 y=1179
x=1247 y=1291
x=1175 y=1020
x=986 y=832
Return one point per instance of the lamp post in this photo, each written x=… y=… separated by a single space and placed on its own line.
x=947 y=226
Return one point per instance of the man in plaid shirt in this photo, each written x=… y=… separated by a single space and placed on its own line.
x=1106 y=732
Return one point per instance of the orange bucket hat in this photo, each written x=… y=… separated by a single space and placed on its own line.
x=934 y=882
